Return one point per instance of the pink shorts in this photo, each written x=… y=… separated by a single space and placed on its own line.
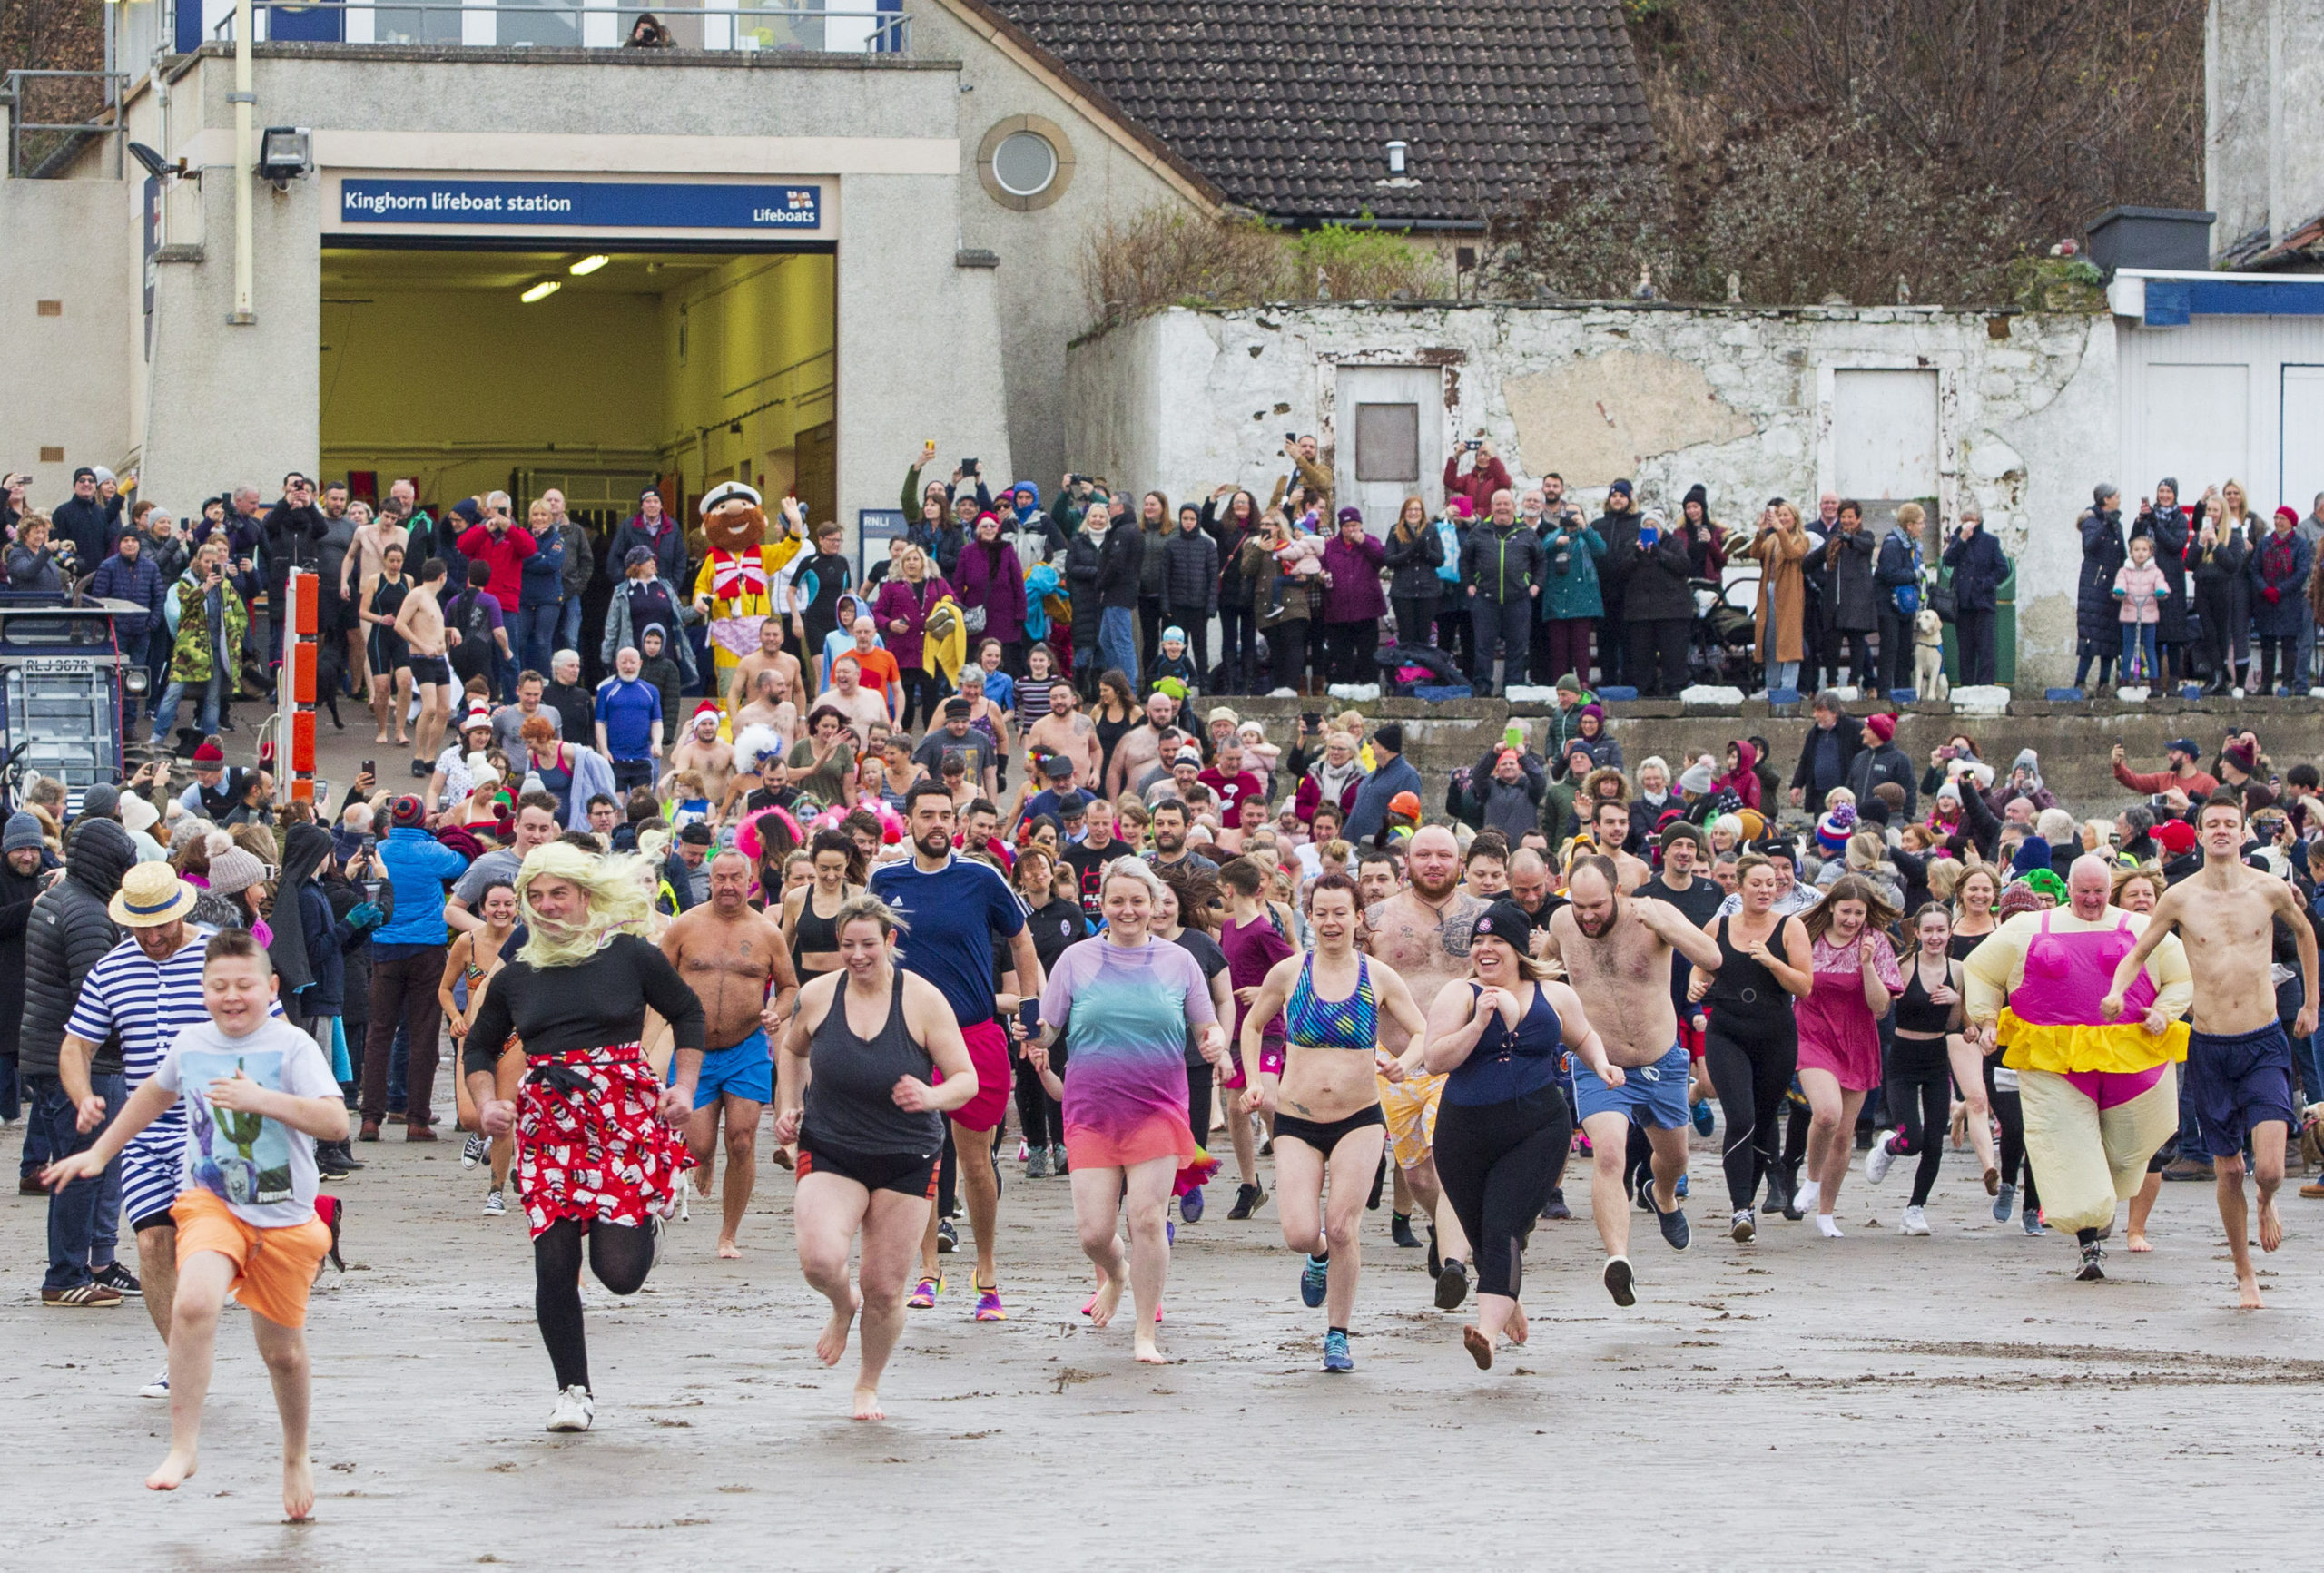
x=1270 y=1062
x=989 y=1055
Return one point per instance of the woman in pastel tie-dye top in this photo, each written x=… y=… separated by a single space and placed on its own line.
x=1121 y=1004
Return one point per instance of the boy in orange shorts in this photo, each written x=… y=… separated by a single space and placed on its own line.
x=259 y=1095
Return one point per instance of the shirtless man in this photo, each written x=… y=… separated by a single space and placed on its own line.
x=1609 y=823
x=1064 y=731
x=420 y=623
x=1423 y=931
x=770 y=657
x=2239 y=1062
x=846 y=695
x=737 y=963
x=1141 y=747
x=701 y=748
x=767 y=704
x=1617 y=954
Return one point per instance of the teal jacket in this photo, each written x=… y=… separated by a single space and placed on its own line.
x=1570 y=589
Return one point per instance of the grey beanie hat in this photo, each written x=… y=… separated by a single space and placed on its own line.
x=23 y=832
x=102 y=801
x=234 y=871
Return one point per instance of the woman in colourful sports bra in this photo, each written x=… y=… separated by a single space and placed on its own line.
x=1326 y=1100
x=1498 y=1036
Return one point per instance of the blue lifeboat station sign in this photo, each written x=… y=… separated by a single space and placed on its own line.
x=581 y=204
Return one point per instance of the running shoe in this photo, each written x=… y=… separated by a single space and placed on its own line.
x=1313 y=1278
x=157 y=1388
x=1702 y=1116
x=574 y=1412
x=989 y=1306
x=113 y=1275
x=1336 y=1354
x=1876 y=1161
x=2004 y=1203
x=1058 y=1168
x=92 y=1296
x=493 y=1207
x=924 y=1293
x=2093 y=1263
x=1675 y=1231
x=1190 y=1205
x=1400 y=1230
x=474 y=1151
x=1249 y=1199
x=1451 y=1286
x=1023 y=1152
x=948 y=1238
x=1621 y=1282
x=1556 y=1210
x=1037 y=1164
x=1743 y=1226
x=1915 y=1222
x=2032 y=1221
x=1683 y=1187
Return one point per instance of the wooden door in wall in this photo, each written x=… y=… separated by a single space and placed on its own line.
x=818 y=483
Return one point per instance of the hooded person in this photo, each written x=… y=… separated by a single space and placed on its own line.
x=21 y=843
x=1742 y=778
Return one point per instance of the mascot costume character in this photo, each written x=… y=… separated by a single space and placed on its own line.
x=740 y=574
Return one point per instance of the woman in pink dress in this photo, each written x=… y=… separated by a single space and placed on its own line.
x=1839 y=1030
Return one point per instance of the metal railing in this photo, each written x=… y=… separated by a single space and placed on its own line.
x=565 y=25
x=53 y=114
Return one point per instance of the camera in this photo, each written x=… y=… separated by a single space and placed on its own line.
x=969 y=466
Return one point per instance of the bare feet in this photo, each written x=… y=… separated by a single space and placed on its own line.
x=1149 y=1352
x=1479 y=1346
x=833 y=1341
x=298 y=1490
x=2138 y=1241
x=867 y=1404
x=2271 y=1224
x=728 y=1251
x=1109 y=1296
x=383 y=737
x=175 y=1470
x=2249 y=1302
x=1517 y=1328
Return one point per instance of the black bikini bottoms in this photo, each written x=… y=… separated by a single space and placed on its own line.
x=1325 y=1135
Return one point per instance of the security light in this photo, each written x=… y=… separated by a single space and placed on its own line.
x=155 y=164
x=285 y=153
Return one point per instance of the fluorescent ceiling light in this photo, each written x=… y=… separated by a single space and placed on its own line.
x=586 y=266
x=540 y=291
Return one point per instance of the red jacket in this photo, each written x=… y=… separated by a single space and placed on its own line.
x=505 y=554
x=1487 y=476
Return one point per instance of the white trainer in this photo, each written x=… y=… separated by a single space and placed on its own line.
x=1915 y=1222
x=157 y=1388
x=1876 y=1161
x=574 y=1412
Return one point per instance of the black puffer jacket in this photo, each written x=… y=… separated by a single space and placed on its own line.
x=1189 y=574
x=68 y=933
x=17 y=894
x=1413 y=564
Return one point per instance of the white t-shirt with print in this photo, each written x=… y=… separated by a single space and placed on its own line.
x=263 y=1170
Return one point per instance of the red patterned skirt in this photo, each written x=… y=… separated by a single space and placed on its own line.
x=590 y=1143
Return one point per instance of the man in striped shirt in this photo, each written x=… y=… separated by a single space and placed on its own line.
x=146 y=988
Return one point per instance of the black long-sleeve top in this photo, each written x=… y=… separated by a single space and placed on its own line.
x=597 y=1002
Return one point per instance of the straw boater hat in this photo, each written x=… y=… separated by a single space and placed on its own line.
x=151 y=895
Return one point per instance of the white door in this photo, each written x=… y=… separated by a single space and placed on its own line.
x=1884 y=441
x=2303 y=437
x=1389 y=439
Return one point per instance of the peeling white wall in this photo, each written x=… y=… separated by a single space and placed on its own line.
x=1736 y=397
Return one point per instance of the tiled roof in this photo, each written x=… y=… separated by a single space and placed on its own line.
x=1288 y=108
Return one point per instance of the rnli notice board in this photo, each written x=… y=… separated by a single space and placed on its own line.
x=588 y=205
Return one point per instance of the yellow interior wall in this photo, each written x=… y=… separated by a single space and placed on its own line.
x=758 y=332
x=458 y=387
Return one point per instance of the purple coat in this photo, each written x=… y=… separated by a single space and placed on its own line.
x=1355 y=591
x=896 y=600
x=1000 y=591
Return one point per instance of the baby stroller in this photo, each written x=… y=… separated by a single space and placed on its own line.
x=1726 y=632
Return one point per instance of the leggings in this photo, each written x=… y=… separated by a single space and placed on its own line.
x=1198 y=1080
x=1040 y=1118
x=1751 y=1063
x=620 y=1254
x=1238 y=647
x=2011 y=1113
x=1288 y=642
x=1497 y=1163
x=1919 y=1067
x=922 y=693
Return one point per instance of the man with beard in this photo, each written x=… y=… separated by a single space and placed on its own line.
x=1143 y=749
x=951 y=906
x=1616 y=949
x=1170 y=842
x=1423 y=931
x=738 y=964
x=1064 y=732
x=1609 y=824
x=770 y=656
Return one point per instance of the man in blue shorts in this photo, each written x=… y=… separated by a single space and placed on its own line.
x=2238 y=1061
x=951 y=906
x=1617 y=954
x=738 y=965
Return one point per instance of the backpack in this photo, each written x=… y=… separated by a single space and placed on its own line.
x=472 y=657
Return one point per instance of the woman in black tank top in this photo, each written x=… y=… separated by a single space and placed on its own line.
x=810 y=917
x=853 y=1090
x=1929 y=1056
x=1750 y=1043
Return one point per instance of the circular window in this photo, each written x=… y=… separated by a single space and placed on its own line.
x=1024 y=163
